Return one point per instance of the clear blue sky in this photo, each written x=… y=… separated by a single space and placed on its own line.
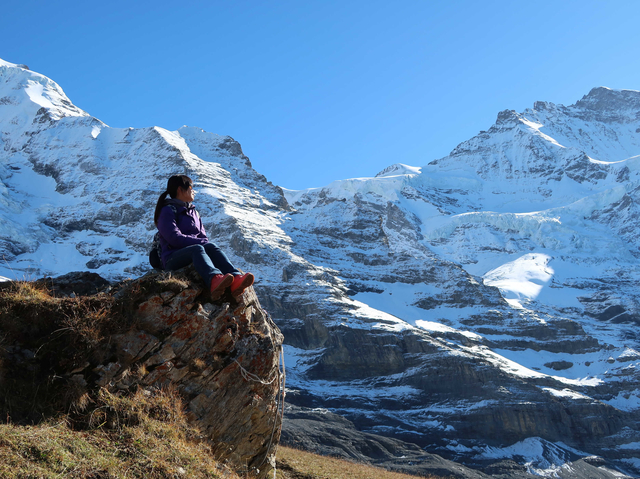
x=317 y=91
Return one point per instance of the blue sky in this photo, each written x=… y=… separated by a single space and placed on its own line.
x=317 y=91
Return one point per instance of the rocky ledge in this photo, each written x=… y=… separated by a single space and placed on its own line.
x=159 y=331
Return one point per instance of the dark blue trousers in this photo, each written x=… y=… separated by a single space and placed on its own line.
x=208 y=260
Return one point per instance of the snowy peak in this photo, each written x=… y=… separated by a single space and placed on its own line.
x=25 y=94
x=4 y=63
x=399 y=169
x=585 y=142
x=507 y=118
x=611 y=102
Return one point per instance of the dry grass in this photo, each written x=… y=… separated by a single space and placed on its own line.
x=28 y=312
x=297 y=464
x=27 y=290
x=144 y=436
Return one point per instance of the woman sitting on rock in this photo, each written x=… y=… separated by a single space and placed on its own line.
x=184 y=240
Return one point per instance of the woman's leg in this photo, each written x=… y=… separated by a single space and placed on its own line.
x=197 y=255
x=219 y=259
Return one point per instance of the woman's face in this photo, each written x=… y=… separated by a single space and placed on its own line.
x=186 y=195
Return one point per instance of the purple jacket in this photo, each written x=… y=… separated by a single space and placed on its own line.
x=179 y=230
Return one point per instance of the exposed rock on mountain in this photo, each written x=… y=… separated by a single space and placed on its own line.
x=155 y=332
x=323 y=432
x=482 y=306
x=328 y=434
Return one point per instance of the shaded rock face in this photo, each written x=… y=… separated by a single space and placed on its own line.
x=80 y=283
x=382 y=382
x=357 y=354
x=223 y=357
x=605 y=104
x=325 y=433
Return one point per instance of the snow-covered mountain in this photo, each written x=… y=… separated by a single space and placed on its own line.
x=483 y=306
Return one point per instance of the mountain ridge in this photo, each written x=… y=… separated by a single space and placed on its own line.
x=509 y=265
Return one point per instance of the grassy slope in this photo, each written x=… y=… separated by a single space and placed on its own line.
x=296 y=464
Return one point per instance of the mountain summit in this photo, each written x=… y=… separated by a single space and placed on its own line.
x=483 y=306
x=617 y=103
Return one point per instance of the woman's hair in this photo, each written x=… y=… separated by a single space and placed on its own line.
x=175 y=182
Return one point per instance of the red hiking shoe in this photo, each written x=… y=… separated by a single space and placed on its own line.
x=240 y=283
x=219 y=283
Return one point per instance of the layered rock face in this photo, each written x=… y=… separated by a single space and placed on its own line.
x=483 y=306
x=329 y=434
x=223 y=357
x=396 y=384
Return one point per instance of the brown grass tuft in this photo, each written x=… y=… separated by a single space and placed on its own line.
x=143 y=435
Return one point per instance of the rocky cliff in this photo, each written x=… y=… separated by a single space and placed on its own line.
x=159 y=331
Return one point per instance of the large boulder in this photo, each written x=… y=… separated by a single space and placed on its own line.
x=161 y=330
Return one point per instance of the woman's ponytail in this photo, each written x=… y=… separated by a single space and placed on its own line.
x=159 y=206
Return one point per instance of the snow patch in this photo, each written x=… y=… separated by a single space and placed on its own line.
x=565 y=393
x=441 y=328
x=541 y=457
x=522 y=278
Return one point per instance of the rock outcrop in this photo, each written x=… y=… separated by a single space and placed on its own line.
x=160 y=330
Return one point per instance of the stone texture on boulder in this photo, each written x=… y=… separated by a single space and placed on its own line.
x=225 y=358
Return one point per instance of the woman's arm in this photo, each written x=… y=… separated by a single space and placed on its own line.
x=169 y=230
x=202 y=233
